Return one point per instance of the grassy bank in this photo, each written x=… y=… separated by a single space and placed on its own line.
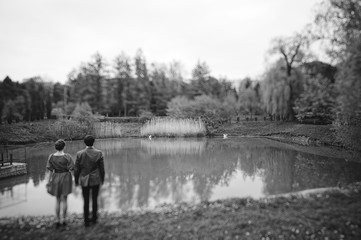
x=51 y=130
x=284 y=131
x=322 y=134
x=333 y=214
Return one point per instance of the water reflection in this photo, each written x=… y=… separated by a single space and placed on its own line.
x=142 y=173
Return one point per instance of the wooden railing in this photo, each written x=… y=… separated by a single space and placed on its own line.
x=12 y=153
x=8 y=159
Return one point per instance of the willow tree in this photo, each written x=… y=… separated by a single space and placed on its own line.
x=276 y=90
x=248 y=97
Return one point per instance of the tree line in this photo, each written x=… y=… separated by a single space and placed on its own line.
x=295 y=85
x=127 y=87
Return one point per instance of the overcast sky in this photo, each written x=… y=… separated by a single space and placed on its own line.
x=51 y=37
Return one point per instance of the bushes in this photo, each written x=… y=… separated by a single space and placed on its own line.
x=211 y=110
x=317 y=101
x=348 y=135
x=124 y=119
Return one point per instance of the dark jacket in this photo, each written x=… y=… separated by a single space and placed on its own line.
x=88 y=160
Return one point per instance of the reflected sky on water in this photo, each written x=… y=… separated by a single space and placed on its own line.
x=143 y=173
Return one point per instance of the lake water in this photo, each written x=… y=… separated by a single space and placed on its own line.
x=143 y=173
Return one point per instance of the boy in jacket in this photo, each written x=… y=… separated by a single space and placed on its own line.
x=89 y=172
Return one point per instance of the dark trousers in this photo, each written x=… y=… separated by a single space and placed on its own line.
x=95 y=191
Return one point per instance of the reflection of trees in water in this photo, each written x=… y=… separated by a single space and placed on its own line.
x=9 y=183
x=173 y=147
x=312 y=171
x=163 y=176
x=36 y=158
x=139 y=177
x=10 y=195
x=140 y=172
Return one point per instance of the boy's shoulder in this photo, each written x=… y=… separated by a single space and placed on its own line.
x=89 y=149
x=81 y=151
x=97 y=150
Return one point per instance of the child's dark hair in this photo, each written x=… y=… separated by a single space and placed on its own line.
x=59 y=144
x=89 y=140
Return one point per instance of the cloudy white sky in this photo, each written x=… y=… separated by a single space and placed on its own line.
x=51 y=37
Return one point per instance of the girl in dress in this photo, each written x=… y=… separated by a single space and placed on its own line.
x=61 y=164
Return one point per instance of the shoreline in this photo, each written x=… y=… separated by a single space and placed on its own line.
x=332 y=213
x=38 y=132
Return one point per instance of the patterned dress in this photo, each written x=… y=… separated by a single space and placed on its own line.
x=60 y=166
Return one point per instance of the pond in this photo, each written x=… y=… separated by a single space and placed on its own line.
x=144 y=174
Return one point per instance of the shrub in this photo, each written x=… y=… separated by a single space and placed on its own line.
x=212 y=111
x=145 y=114
x=125 y=119
x=348 y=135
x=83 y=113
x=316 y=101
x=57 y=112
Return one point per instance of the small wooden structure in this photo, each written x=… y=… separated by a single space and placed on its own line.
x=7 y=159
x=12 y=160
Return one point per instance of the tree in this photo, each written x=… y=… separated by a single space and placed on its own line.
x=293 y=51
x=201 y=82
x=142 y=83
x=248 y=97
x=81 y=88
x=89 y=84
x=229 y=107
x=348 y=84
x=123 y=76
x=317 y=100
x=206 y=107
x=10 y=113
x=161 y=90
x=97 y=71
x=338 y=23
x=58 y=92
x=179 y=107
x=38 y=98
x=276 y=93
x=226 y=90
x=83 y=113
x=201 y=71
x=175 y=74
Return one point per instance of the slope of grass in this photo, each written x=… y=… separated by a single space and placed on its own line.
x=328 y=215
